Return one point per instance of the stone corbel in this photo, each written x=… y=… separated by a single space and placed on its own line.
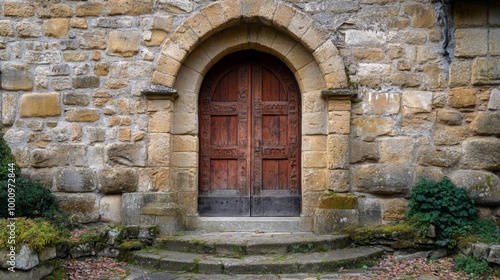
x=159 y=92
x=340 y=94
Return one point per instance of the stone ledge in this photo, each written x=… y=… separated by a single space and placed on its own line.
x=340 y=94
x=159 y=92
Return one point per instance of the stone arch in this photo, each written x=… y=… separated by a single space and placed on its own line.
x=225 y=14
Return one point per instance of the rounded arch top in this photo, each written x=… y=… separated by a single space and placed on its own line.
x=225 y=14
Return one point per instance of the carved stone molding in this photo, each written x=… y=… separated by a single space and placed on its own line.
x=340 y=94
x=159 y=92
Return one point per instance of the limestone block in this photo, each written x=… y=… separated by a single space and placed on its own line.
x=160 y=122
x=381 y=103
x=126 y=154
x=283 y=15
x=184 y=159
x=6 y=28
x=494 y=255
x=84 y=207
x=486 y=71
x=117 y=180
x=123 y=43
x=494 y=15
x=337 y=151
x=421 y=15
x=331 y=220
x=462 y=97
x=494 y=102
x=75 y=180
x=86 y=9
x=399 y=23
x=482 y=186
x=397 y=150
x=486 y=123
x=368 y=54
x=82 y=115
x=360 y=151
x=160 y=179
x=338 y=181
x=469 y=14
x=370 y=211
x=429 y=173
x=43 y=57
x=471 y=42
x=93 y=40
x=481 y=153
x=124 y=134
x=16 y=76
x=15 y=8
x=157 y=37
x=395 y=51
x=494 y=41
x=79 y=99
x=404 y=79
x=449 y=116
x=26 y=258
x=185 y=143
x=78 y=23
x=417 y=102
x=126 y=69
x=314 y=143
x=450 y=135
x=114 y=22
x=312 y=77
x=95 y=134
x=185 y=179
x=40 y=105
x=29 y=28
x=367 y=70
x=365 y=38
x=311 y=159
x=159 y=149
x=86 y=82
x=438 y=156
x=110 y=209
x=368 y=128
x=339 y=105
x=382 y=178
x=395 y=209
x=9 y=109
x=56 y=27
x=53 y=10
x=434 y=76
x=75 y=56
x=314 y=179
x=339 y=122
x=314 y=123
x=130 y=7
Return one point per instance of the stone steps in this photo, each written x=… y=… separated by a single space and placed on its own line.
x=253 y=253
x=247 y=224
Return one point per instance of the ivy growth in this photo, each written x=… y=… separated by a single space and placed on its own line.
x=443 y=205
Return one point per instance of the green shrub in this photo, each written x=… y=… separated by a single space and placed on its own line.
x=7 y=160
x=473 y=266
x=485 y=230
x=441 y=204
x=36 y=233
x=32 y=199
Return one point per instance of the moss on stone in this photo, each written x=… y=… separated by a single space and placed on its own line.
x=339 y=201
x=366 y=235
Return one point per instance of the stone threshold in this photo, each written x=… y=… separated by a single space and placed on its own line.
x=249 y=224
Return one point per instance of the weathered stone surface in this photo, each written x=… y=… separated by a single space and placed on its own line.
x=494 y=102
x=93 y=40
x=86 y=82
x=19 y=8
x=421 y=15
x=494 y=255
x=16 y=76
x=127 y=154
x=367 y=128
x=471 y=42
x=337 y=151
x=370 y=211
x=460 y=73
x=486 y=123
x=137 y=69
x=82 y=250
x=80 y=99
x=123 y=43
x=449 y=116
x=360 y=151
x=339 y=122
x=43 y=57
x=101 y=68
x=29 y=29
x=83 y=206
x=382 y=178
x=338 y=181
x=397 y=150
x=40 y=105
x=494 y=47
x=9 y=109
x=361 y=38
x=429 y=173
x=417 y=102
x=395 y=209
x=78 y=23
x=89 y=9
x=486 y=71
x=82 y=115
x=111 y=209
x=461 y=97
x=75 y=180
x=481 y=153
x=56 y=27
x=438 y=156
x=483 y=186
x=130 y=7
x=26 y=258
x=381 y=103
x=114 y=181
x=6 y=28
x=450 y=135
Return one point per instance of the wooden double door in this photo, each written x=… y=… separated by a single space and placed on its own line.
x=249 y=108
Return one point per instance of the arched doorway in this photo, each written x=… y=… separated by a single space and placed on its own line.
x=250 y=134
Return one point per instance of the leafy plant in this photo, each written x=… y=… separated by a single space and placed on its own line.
x=443 y=205
x=32 y=199
x=475 y=266
x=36 y=233
x=7 y=160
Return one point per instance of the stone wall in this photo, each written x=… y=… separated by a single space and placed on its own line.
x=428 y=98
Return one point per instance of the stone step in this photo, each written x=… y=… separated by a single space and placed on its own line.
x=251 y=243
x=247 y=224
x=162 y=260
